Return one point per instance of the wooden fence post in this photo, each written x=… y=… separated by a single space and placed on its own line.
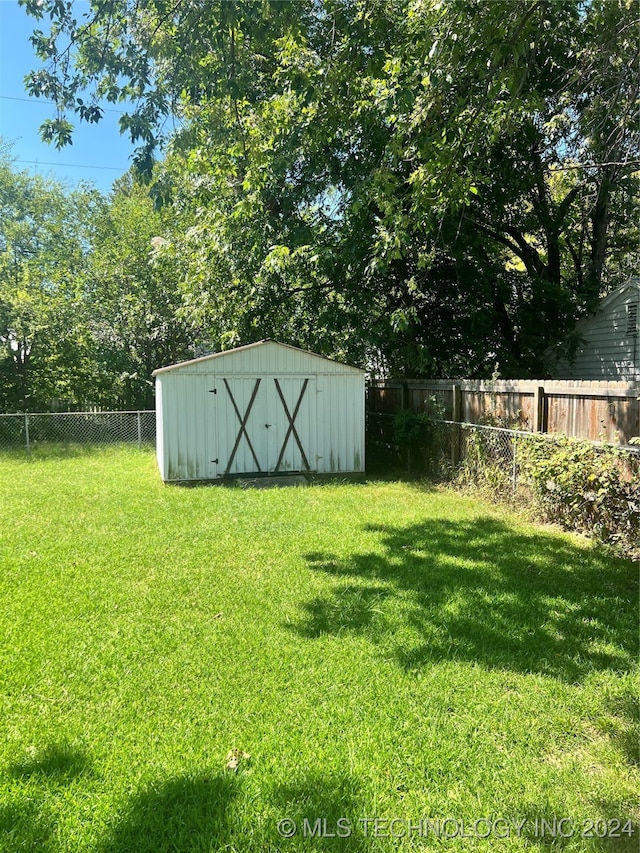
x=539 y=410
x=404 y=398
x=455 y=416
x=457 y=402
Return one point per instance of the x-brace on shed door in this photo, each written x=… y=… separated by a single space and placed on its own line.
x=263 y=424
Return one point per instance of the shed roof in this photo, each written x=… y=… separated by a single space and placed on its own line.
x=267 y=342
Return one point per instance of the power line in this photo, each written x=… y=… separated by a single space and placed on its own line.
x=569 y=167
x=36 y=101
x=71 y=165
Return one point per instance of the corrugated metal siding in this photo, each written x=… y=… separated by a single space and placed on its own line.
x=266 y=433
x=295 y=393
x=341 y=419
x=227 y=432
x=200 y=434
x=187 y=423
x=160 y=452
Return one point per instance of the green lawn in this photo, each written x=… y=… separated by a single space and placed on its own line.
x=381 y=650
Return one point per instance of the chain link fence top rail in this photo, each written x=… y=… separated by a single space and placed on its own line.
x=26 y=430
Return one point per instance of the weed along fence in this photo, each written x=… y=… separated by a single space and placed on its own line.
x=597 y=411
x=590 y=487
x=585 y=485
x=31 y=429
x=505 y=456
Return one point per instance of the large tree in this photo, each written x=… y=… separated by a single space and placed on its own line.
x=45 y=346
x=133 y=299
x=431 y=186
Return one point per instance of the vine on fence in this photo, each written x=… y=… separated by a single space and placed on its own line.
x=586 y=488
x=486 y=462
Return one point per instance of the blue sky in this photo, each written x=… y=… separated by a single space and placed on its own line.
x=99 y=153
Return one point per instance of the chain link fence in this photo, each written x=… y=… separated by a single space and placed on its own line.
x=585 y=486
x=502 y=457
x=480 y=452
x=27 y=431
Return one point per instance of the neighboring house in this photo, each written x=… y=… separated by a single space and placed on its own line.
x=608 y=341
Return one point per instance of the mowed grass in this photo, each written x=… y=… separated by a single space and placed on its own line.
x=380 y=650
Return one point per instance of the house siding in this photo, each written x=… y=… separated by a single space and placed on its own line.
x=609 y=351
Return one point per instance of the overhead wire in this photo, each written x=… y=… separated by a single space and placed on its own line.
x=71 y=165
x=48 y=103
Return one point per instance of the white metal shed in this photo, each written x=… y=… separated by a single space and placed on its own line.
x=262 y=409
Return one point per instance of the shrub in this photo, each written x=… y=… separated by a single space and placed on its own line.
x=585 y=487
x=419 y=435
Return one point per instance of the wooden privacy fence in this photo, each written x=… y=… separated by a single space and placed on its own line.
x=595 y=410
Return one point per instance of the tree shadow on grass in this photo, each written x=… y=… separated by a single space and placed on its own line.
x=481 y=591
x=187 y=813
x=27 y=822
x=198 y=814
x=23 y=826
x=56 y=763
x=322 y=811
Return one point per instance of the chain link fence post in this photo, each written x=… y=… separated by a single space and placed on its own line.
x=29 y=431
x=515 y=462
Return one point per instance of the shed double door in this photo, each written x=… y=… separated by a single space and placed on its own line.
x=263 y=425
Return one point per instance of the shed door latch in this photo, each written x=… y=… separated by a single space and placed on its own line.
x=214 y=461
x=213 y=391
